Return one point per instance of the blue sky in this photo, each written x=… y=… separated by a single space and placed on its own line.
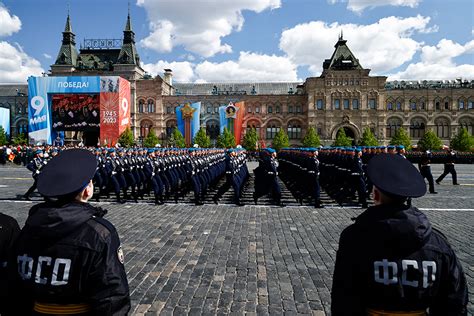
x=250 y=40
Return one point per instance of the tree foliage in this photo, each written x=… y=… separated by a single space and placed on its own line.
x=20 y=139
x=281 y=140
x=151 y=140
x=126 y=138
x=202 y=139
x=3 y=136
x=401 y=137
x=342 y=140
x=430 y=141
x=250 y=141
x=463 y=141
x=311 y=139
x=177 y=139
x=368 y=138
x=226 y=139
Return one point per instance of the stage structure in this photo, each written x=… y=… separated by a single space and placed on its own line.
x=99 y=107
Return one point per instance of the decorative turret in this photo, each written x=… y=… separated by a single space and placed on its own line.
x=342 y=58
x=128 y=53
x=68 y=53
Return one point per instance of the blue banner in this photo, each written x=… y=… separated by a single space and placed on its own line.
x=195 y=122
x=222 y=118
x=5 y=119
x=39 y=101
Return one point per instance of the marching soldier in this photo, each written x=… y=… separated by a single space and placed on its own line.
x=68 y=259
x=425 y=170
x=391 y=261
x=35 y=167
x=449 y=168
x=266 y=177
x=357 y=176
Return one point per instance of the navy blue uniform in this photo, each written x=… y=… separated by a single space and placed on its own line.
x=392 y=259
x=67 y=254
x=9 y=231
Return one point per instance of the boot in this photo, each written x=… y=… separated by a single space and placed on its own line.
x=318 y=204
x=158 y=201
x=255 y=198
x=119 y=199
x=215 y=199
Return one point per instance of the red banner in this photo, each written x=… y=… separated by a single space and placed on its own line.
x=114 y=113
x=239 y=120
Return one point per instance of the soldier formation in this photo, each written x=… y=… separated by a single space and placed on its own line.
x=168 y=174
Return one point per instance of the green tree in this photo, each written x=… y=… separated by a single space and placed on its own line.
x=430 y=141
x=250 y=141
x=463 y=141
x=151 y=140
x=342 y=139
x=220 y=141
x=311 y=139
x=401 y=137
x=177 y=139
x=126 y=138
x=368 y=138
x=201 y=139
x=281 y=140
x=20 y=139
x=3 y=136
x=228 y=139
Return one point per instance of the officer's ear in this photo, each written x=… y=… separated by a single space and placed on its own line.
x=88 y=191
x=377 y=196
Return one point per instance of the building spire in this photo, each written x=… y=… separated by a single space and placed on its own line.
x=68 y=27
x=67 y=53
x=341 y=36
x=128 y=54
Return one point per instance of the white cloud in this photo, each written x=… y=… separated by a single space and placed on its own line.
x=47 y=56
x=182 y=71
x=9 y=24
x=381 y=46
x=16 y=65
x=360 y=5
x=249 y=67
x=437 y=62
x=199 y=26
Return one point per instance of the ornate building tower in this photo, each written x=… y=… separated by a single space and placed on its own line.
x=345 y=96
x=67 y=57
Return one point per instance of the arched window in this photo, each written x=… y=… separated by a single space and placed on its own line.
x=298 y=109
x=389 y=106
x=277 y=109
x=399 y=105
x=249 y=109
x=446 y=103
x=393 y=124
x=442 y=128
x=272 y=129
x=417 y=128
x=269 y=109
x=468 y=124
x=355 y=104
x=212 y=129
x=294 y=130
x=209 y=109
x=437 y=103
x=461 y=104
x=257 y=109
x=253 y=125
x=22 y=127
x=413 y=105
x=169 y=109
x=290 y=108
x=151 y=106
x=170 y=126
x=470 y=104
x=145 y=127
x=141 y=106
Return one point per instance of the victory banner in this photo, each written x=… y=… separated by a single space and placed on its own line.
x=58 y=104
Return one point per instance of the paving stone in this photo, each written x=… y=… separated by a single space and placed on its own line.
x=182 y=259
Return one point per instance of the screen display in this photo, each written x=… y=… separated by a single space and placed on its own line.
x=75 y=111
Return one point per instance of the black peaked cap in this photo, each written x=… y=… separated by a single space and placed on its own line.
x=395 y=175
x=68 y=172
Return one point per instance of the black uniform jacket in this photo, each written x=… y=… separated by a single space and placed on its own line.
x=9 y=231
x=69 y=255
x=392 y=259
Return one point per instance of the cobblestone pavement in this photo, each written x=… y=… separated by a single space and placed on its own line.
x=221 y=259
